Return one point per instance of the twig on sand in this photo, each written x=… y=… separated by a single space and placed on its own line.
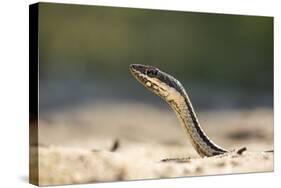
x=269 y=151
x=241 y=150
x=115 y=145
x=178 y=160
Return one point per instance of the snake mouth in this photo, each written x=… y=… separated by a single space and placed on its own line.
x=133 y=66
x=138 y=71
x=133 y=70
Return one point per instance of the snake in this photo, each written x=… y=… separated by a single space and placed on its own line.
x=172 y=91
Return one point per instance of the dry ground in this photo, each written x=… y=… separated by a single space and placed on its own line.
x=127 y=141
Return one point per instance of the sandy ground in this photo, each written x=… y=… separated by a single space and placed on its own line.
x=127 y=141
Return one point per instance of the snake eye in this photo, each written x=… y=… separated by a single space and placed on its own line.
x=151 y=72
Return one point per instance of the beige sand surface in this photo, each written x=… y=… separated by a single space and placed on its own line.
x=127 y=141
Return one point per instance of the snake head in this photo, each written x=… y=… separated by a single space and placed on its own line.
x=156 y=80
x=148 y=76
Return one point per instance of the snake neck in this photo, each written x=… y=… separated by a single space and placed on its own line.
x=189 y=121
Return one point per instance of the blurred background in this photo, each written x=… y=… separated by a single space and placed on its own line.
x=223 y=61
x=95 y=115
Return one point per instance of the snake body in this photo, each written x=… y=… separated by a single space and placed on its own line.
x=171 y=90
